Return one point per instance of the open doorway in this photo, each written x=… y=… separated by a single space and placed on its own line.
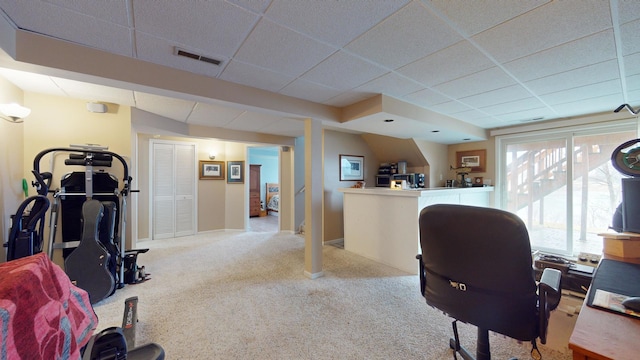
x=264 y=164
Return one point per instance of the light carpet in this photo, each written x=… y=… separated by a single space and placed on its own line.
x=243 y=295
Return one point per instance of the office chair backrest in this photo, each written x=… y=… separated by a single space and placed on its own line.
x=479 y=268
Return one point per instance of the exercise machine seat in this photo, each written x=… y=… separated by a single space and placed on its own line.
x=476 y=266
x=26 y=233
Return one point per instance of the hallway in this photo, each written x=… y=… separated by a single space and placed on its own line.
x=267 y=223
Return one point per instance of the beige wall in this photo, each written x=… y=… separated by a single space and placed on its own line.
x=336 y=143
x=59 y=122
x=489 y=175
x=11 y=162
x=212 y=194
x=489 y=146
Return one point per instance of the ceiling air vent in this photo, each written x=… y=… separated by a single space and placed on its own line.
x=182 y=52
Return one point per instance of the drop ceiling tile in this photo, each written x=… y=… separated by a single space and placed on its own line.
x=63 y=23
x=426 y=98
x=436 y=68
x=332 y=22
x=32 y=82
x=630 y=34
x=250 y=75
x=476 y=16
x=307 y=90
x=547 y=26
x=213 y=115
x=482 y=81
x=171 y=108
x=111 y=11
x=596 y=73
x=343 y=71
x=583 y=92
x=628 y=11
x=633 y=82
x=251 y=121
x=161 y=51
x=480 y=119
x=215 y=26
x=589 y=106
x=572 y=55
x=632 y=64
x=274 y=47
x=498 y=96
x=390 y=84
x=94 y=92
x=450 y=107
x=634 y=98
x=527 y=116
x=513 y=106
x=258 y=6
x=348 y=98
x=408 y=35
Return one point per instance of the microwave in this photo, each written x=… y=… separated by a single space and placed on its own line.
x=383 y=180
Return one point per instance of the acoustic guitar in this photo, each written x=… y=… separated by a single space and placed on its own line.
x=88 y=265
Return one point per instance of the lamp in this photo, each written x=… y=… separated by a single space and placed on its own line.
x=13 y=112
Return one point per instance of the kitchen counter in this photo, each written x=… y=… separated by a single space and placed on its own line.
x=382 y=224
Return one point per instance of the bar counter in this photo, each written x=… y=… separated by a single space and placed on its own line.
x=382 y=224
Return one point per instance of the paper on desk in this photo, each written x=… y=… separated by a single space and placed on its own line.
x=612 y=301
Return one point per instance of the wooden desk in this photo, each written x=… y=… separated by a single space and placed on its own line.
x=599 y=334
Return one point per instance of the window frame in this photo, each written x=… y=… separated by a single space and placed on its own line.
x=567 y=134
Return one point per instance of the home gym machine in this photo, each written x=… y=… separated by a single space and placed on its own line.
x=27 y=224
x=93 y=219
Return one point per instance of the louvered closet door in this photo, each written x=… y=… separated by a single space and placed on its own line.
x=173 y=188
x=184 y=190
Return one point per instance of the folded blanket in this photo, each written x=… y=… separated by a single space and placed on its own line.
x=42 y=314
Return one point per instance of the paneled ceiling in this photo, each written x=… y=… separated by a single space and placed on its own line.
x=453 y=63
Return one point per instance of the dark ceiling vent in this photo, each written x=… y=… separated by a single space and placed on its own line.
x=182 y=52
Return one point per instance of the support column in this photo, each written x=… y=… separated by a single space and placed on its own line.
x=314 y=190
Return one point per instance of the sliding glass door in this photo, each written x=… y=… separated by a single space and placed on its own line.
x=562 y=185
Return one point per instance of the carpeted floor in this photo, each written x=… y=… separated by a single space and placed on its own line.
x=264 y=223
x=243 y=295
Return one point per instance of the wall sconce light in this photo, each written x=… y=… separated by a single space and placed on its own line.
x=212 y=155
x=13 y=112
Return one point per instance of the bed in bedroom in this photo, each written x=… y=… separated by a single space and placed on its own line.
x=273 y=197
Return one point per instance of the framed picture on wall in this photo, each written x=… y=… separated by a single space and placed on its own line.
x=474 y=159
x=211 y=170
x=351 y=168
x=235 y=172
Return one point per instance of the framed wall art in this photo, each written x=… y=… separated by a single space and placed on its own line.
x=211 y=170
x=474 y=159
x=235 y=172
x=351 y=168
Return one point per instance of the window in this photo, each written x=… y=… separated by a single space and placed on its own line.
x=561 y=184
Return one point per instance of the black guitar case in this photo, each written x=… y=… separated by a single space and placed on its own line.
x=88 y=265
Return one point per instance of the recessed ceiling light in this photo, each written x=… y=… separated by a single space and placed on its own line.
x=388 y=120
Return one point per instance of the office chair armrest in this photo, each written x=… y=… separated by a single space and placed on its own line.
x=550 y=286
x=421 y=271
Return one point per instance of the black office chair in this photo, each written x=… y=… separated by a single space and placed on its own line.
x=476 y=267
